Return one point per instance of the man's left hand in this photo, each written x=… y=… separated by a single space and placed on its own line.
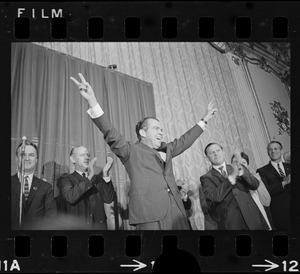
x=209 y=112
x=183 y=192
x=108 y=166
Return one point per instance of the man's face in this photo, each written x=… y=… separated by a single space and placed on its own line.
x=275 y=152
x=80 y=158
x=215 y=154
x=30 y=159
x=153 y=134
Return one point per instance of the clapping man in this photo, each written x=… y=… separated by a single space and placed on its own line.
x=226 y=188
x=84 y=193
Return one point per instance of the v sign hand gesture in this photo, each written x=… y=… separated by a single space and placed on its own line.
x=85 y=90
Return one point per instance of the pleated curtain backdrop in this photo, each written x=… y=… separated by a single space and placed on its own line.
x=47 y=108
x=185 y=77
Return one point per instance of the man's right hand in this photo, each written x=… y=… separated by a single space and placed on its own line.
x=86 y=90
x=91 y=168
x=237 y=170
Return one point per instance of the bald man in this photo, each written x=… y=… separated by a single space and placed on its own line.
x=84 y=193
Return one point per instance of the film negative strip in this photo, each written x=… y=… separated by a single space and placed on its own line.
x=166 y=60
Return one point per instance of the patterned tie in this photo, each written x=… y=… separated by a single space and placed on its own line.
x=280 y=171
x=26 y=188
x=223 y=172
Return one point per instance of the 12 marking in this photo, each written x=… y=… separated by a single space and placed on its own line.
x=271 y=265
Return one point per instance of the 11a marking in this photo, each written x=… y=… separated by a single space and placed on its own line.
x=14 y=265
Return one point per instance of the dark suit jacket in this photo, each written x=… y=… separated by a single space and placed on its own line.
x=84 y=199
x=150 y=176
x=231 y=206
x=280 y=197
x=39 y=206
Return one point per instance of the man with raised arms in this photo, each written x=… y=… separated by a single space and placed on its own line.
x=154 y=199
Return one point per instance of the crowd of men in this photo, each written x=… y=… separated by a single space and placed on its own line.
x=232 y=197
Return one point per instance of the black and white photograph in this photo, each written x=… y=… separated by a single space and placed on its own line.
x=150 y=136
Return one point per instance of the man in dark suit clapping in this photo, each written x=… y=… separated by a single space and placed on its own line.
x=226 y=188
x=83 y=194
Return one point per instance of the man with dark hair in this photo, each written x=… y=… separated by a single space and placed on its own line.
x=226 y=188
x=276 y=175
x=38 y=204
x=143 y=124
x=154 y=199
x=83 y=193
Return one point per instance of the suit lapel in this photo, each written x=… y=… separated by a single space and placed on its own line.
x=16 y=188
x=167 y=163
x=156 y=155
x=229 y=169
x=216 y=173
x=287 y=168
x=15 y=185
x=34 y=188
x=274 y=171
x=158 y=158
x=78 y=178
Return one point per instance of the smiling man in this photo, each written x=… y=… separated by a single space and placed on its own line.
x=226 y=188
x=154 y=199
x=83 y=193
x=38 y=204
x=277 y=178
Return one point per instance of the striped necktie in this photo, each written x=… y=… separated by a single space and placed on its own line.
x=223 y=172
x=26 y=188
x=280 y=171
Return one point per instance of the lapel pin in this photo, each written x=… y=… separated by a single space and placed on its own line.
x=34 y=188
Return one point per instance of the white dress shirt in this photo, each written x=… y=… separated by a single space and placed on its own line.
x=217 y=168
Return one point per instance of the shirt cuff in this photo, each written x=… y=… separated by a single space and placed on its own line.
x=106 y=179
x=201 y=124
x=95 y=112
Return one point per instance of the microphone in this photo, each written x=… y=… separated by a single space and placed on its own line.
x=23 y=145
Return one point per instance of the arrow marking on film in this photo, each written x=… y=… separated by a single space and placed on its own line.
x=137 y=266
x=270 y=266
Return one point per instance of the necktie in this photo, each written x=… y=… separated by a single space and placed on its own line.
x=280 y=171
x=26 y=188
x=223 y=172
x=83 y=175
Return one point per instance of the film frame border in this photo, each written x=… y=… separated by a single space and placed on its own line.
x=187 y=15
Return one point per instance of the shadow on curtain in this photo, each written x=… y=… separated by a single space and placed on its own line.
x=47 y=109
